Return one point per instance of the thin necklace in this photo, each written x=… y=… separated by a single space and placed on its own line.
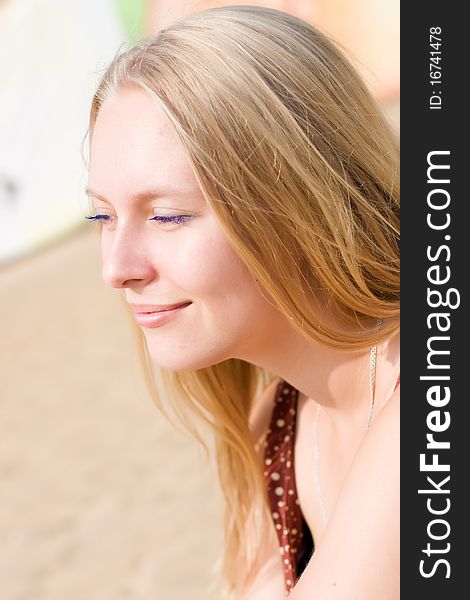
x=316 y=451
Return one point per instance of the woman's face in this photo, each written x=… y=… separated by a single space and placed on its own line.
x=139 y=171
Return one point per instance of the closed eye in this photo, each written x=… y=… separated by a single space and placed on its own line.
x=178 y=219
x=98 y=217
x=172 y=218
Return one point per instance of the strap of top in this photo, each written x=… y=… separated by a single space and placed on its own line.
x=279 y=473
x=295 y=539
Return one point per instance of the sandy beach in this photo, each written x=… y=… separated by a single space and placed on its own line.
x=101 y=499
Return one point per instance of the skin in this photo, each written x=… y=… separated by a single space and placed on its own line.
x=134 y=150
x=357 y=553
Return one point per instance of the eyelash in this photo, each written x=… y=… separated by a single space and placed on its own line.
x=171 y=218
x=178 y=219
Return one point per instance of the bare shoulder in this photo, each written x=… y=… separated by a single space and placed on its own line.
x=366 y=518
x=376 y=466
x=262 y=409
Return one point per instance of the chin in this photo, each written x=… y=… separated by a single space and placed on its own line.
x=181 y=359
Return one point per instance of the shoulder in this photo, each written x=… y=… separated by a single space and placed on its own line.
x=376 y=466
x=262 y=408
x=365 y=518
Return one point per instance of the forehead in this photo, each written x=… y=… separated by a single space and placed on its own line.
x=133 y=145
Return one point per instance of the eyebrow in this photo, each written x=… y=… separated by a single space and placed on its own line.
x=141 y=196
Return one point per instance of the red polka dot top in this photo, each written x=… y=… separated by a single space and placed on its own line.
x=295 y=539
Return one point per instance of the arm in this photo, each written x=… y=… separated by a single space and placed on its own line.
x=358 y=556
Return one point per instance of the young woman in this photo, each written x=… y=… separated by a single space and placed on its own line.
x=246 y=185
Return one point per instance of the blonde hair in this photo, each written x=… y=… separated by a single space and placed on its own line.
x=301 y=168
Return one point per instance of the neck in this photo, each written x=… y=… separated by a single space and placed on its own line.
x=338 y=381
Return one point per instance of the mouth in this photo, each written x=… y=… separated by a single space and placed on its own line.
x=155 y=315
x=146 y=309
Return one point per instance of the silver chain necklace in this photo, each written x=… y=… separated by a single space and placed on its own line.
x=316 y=452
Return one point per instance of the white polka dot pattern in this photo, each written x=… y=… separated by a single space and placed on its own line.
x=295 y=541
x=280 y=480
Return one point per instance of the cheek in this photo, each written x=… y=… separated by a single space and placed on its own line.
x=215 y=272
x=105 y=244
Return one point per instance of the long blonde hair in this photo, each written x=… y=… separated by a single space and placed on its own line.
x=301 y=168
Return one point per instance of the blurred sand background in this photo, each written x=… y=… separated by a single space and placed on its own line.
x=100 y=498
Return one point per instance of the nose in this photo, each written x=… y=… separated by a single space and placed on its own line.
x=125 y=262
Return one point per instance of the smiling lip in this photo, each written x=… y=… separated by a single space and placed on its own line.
x=155 y=315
